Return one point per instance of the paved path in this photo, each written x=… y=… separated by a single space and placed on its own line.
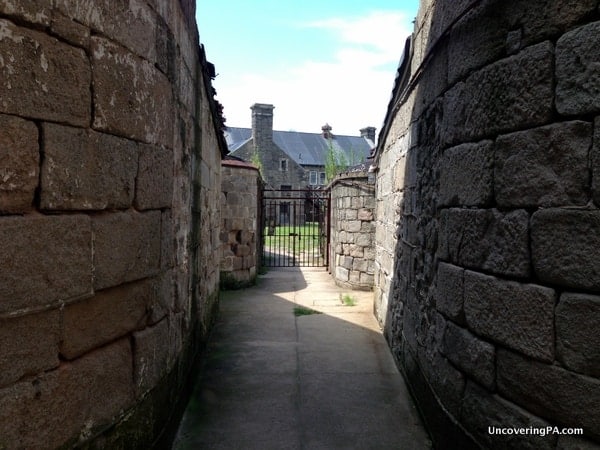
x=278 y=380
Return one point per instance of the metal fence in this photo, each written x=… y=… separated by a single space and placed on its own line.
x=295 y=228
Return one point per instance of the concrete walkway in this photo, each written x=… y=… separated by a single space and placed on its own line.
x=276 y=379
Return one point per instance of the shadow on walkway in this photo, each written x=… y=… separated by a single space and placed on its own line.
x=274 y=379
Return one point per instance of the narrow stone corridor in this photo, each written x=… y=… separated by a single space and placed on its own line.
x=291 y=365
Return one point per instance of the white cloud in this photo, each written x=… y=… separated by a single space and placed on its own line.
x=349 y=92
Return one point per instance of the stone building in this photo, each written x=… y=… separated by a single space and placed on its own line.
x=110 y=149
x=291 y=159
x=487 y=221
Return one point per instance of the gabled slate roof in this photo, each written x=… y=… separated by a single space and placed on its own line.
x=308 y=149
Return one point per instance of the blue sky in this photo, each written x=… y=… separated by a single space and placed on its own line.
x=317 y=62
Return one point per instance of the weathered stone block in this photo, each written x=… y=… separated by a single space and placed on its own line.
x=68 y=402
x=86 y=170
x=481 y=410
x=575 y=443
x=476 y=39
x=154 y=182
x=595 y=162
x=42 y=77
x=367 y=279
x=474 y=109
x=53 y=255
x=350 y=214
x=486 y=239
x=131 y=23
x=363 y=239
x=449 y=291
x=137 y=236
x=544 y=166
x=353 y=226
x=565 y=245
x=151 y=356
x=480 y=37
x=447 y=382
x=71 y=31
x=29 y=345
x=466 y=175
x=108 y=315
x=359 y=264
x=167 y=244
x=518 y=315
x=19 y=164
x=143 y=114
x=577 y=328
x=470 y=354
x=365 y=214
x=342 y=274
x=577 y=71
x=550 y=391
x=33 y=11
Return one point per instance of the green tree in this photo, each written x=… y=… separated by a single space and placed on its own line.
x=335 y=162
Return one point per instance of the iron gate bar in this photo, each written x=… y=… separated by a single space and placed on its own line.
x=295 y=228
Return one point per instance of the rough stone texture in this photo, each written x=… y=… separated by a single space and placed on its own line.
x=472 y=355
x=34 y=11
x=138 y=237
x=54 y=255
x=130 y=23
x=574 y=443
x=73 y=400
x=351 y=231
x=466 y=175
x=151 y=348
x=550 y=391
x=481 y=72
x=29 y=345
x=481 y=36
x=71 y=31
x=486 y=239
x=109 y=315
x=154 y=181
x=577 y=71
x=239 y=244
x=576 y=344
x=543 y=166
x=595 y=163
x=137 y=114
x=85 y=170
x=518 y=315
x=90 y=98
x=481 y=409
x=565 y=244
x=449 y=293
x=475 y=110
x=42 y=77
x=19 y=164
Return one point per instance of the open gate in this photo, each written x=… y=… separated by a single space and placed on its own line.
x=295 y=228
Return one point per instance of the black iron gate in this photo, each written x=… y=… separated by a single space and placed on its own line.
x=295 y=228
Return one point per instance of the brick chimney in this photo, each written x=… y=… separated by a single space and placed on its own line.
x=327 y=131
x=262 y=125
x=368 y=133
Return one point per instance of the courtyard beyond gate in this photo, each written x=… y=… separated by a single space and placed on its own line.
x=295 y=228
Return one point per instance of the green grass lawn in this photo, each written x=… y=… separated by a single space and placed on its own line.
x=293 y=239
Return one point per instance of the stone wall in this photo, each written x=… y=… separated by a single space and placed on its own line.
x=488 y=175
x=351 y=256
x=239 y=224
x=109 y=177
